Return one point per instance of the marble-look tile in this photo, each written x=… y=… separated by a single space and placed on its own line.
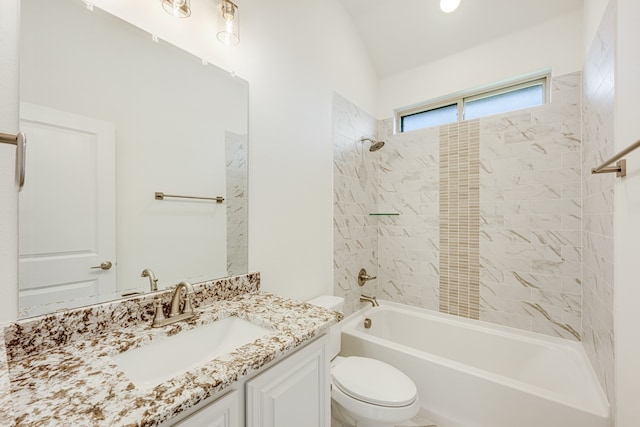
x=237 y=204
x=385 y=128
x=351 y=121
x=531 y=164
x=355 y=198
x=506 y=319
x=598 y=203
x=530 y=208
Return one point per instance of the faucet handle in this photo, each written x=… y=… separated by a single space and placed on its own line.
x=187 y=308
x=363 y=277
x=158 y=315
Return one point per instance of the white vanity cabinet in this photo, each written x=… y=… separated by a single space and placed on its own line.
x=223 y=412
x=294 y=392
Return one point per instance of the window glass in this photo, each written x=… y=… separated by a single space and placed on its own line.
x=434 y=117
x=504 y=102
x=501 y=98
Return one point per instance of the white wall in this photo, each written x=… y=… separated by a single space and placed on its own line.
x=555 y=44
x=8 y=191
x=627 y=216
x=293 y=61
x=302 y=52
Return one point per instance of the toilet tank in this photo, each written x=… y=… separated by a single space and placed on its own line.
x=332 y=303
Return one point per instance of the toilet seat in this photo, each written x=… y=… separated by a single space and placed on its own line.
x=374 y=382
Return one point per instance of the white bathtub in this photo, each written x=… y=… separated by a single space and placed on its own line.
x=476 y=374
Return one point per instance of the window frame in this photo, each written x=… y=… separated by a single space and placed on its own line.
x=460 y=98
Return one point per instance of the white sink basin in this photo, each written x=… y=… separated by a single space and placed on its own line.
x=163 y=359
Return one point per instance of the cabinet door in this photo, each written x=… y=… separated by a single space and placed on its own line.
x=221 y=413
x=293 y=393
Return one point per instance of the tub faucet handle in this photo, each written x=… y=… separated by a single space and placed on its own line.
x=363 y=277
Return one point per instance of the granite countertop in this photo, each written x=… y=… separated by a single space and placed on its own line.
x=56 y=370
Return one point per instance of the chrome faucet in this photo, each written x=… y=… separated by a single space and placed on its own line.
x=153 y=282
x=176 y=313
x=372 y=300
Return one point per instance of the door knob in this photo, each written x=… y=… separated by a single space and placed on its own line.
x=106 y=265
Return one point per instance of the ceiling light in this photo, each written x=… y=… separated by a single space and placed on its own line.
x=449 y=6
x=228 y=23
x=177 y=8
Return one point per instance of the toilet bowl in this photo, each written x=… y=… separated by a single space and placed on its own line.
x=366 y=392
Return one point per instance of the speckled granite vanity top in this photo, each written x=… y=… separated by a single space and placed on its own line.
x=57 y=369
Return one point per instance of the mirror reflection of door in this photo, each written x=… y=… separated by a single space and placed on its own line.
x=67 y=210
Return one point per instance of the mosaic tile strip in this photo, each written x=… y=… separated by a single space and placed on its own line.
x=460 y=219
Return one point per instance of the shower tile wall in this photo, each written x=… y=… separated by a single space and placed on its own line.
x=355 y=198
x=408 y=244
x=598 y=145
x=530 y=222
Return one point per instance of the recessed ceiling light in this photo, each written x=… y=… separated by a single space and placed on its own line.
x=449 y=6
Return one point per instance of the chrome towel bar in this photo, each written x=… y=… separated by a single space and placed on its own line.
x=20 y=141
x=161 y=196
x=621 y=166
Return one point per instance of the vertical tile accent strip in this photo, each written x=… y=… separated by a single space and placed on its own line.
x=460 y=219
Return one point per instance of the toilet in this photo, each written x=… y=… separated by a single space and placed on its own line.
x=366 y=392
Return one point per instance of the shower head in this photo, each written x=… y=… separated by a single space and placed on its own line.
x=375 y=145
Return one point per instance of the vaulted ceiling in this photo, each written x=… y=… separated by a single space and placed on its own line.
x=402 y=34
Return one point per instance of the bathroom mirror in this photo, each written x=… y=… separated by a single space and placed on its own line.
x=114 y=116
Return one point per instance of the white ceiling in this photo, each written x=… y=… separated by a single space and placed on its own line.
x=402 y=34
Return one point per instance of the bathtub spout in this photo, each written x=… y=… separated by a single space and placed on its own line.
x=372 y=300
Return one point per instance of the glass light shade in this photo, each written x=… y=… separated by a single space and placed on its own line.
x=449 y=6
x=177 y=8
x=228 y=23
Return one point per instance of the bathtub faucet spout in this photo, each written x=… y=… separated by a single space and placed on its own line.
x=372 y=300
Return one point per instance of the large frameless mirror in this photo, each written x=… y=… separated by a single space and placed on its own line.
x=114 y=117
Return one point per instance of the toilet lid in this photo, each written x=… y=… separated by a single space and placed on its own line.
x=374 y=382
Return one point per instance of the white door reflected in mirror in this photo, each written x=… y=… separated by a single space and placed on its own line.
x=67 y=212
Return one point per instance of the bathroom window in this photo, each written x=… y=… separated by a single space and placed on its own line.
x=512 y=96
x=431 y=117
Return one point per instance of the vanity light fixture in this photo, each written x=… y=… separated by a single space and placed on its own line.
x=177 y=8
x=228 y=23
x=449 y=6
